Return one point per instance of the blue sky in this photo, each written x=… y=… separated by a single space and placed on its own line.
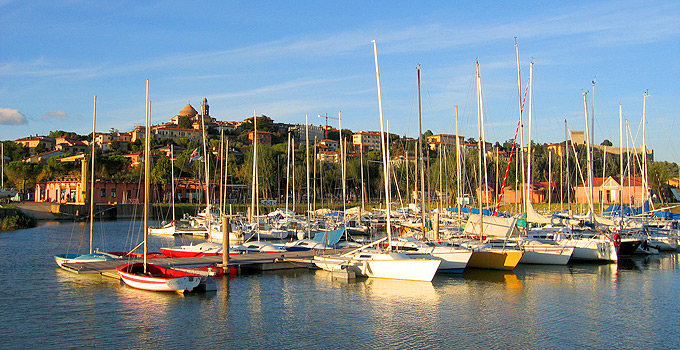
x=287 y=59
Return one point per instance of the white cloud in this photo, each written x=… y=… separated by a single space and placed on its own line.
x=58 y=115
x=11 y=116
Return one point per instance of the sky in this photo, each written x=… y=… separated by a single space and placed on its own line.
x=289 y=59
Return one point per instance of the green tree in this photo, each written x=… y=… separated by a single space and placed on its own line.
x=23 y=175
x=184 y=122
x=14 y=150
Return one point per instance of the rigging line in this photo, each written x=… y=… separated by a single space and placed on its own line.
x=512 y=151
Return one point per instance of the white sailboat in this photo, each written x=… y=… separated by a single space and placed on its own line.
x=149 y=276
x=92 y=256
x=374 y=263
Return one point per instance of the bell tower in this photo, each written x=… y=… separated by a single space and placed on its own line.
x=205 y=109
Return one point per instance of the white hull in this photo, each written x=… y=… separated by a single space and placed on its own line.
x=592 y=249
x=381 y=265
x=548 y=255
x=663 y=243
x=164 y=231
x=160 y=284
x=454 y=261
x=545 y=252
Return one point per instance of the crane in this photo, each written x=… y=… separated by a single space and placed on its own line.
x=83 y=171
x=327 y=117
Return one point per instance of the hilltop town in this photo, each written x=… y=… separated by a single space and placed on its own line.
x=45 y=168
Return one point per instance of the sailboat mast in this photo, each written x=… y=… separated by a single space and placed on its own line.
x=479 y=150
x=147 y=173
x=206 y=159
x=420 y=154
x=253 y=198
x=459 y=190
x=521 y=122
x=287 y=171
x=644 y=151
x=309 y=208
x=588 y=155
x=384 y=146
x=566 y=154
x=361 y=167
x=621 y=162
x=172 y=178
x=529 y=148
x=342 y=166
x=94 y=119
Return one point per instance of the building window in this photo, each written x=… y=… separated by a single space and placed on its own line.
x=113 y=192
x=102 y=192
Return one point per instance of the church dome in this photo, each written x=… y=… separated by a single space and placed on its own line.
x=188 y=111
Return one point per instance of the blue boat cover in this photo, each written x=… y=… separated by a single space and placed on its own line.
x=331 y=237
x=667 y=215
x=615 y=210
x=476 y=211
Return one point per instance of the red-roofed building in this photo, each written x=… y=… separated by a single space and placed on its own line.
x=263 y=137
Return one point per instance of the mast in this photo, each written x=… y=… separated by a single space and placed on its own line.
x=566 y=155
x=420 y=154
x=527 y=200
x=342 y=166
x=458 y=165
x=479 y=150
x=644 y=152
x=172 y=178
x=621 y=163
x=206 y=159
x=287 y=171
x=384 y=145
x=588 y=155
x=549 y=179
x=253 y=200
x=94 y=119
x=361 y=168
x=521 y=123
x=147 y=173
x=221 y=167
x=307 y=159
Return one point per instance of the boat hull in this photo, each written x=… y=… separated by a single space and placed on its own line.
x=592 y=250
x=62 y=259
x=451 y=262
x=158 y=279
x=495 y=260
x=388 y=265
x=546 y=255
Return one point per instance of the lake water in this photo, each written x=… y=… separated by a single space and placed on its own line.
x=630 y=305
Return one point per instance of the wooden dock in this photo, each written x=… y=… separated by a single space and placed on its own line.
x=252 y=261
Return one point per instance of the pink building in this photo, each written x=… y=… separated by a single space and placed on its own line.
x=608 y=190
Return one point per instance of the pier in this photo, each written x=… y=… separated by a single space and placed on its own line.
x=247 y=261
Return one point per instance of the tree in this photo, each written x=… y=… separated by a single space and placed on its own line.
x=607 y=143
x=40 y=148
x=184 y=122
x=15 y=151
x=23 y=175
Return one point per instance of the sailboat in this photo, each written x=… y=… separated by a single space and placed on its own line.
x=92 y=256
x=375 y=263
x=490 y=248
x=149 y=276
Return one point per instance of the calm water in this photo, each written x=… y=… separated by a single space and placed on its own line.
x=630 y=305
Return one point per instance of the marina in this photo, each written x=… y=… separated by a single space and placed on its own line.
x=629 y=304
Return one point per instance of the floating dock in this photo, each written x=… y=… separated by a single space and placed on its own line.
x=251 y=261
